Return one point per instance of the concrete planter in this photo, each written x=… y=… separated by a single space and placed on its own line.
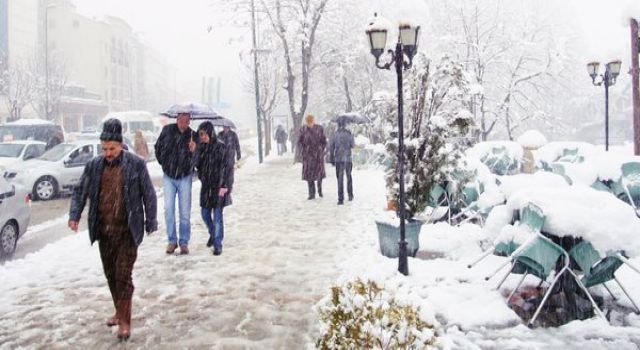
x=389 y=236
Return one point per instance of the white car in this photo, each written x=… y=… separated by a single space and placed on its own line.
x=58 y=170
x=18 y=151
x=15 y=212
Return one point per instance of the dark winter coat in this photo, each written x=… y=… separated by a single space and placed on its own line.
x=312 y=144
x=215 y=171
x=139 y=201
x=340 y=146
x=281 y=135
x=172 y=151
x=230 y=138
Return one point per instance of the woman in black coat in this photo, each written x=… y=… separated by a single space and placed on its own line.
x=214 y=165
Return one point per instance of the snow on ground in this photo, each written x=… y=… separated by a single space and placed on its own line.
x=282 y=253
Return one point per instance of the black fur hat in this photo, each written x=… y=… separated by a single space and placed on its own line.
x=111 y=130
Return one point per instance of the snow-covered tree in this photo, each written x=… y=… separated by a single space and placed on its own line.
x=50 y=87
x=18 y=86
x=438 y=129
x=514 y=54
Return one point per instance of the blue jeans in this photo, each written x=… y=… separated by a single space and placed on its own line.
x=215 y=225
x=181 y=187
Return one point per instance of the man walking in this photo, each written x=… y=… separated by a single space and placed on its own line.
x=340 y=156
x=281 y=140
x=230 y=139
x=175 y=150
x=122 y=205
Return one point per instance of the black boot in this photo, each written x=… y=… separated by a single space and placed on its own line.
x=312 y=190
x=320 y=188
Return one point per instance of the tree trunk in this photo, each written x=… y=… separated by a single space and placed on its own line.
x=635 y=78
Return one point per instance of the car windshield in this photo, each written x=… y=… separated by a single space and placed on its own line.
x=57 y=152
x=10 y=150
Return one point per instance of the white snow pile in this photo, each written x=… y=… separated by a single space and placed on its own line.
x=532 y=139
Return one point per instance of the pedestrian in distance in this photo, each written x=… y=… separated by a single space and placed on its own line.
x=140 y=146
x=340 y=156
x=122 y=206
x=230 y=139
x=175 y=151
x=312 y=144
x=293 y=139
x=214 y=167
x=281 y=140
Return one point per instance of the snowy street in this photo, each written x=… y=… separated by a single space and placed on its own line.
x=281 y=254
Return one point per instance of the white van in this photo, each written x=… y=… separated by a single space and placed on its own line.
x=133 y=121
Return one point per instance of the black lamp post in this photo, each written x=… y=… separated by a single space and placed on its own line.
x=612 y=69
x=401 y=58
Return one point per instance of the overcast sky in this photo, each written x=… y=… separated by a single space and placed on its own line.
x=179 y=28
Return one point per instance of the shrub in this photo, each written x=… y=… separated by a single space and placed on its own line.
x=362 y=315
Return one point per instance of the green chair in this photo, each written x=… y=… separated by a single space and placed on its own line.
x=597 y=270
x=532 y=217
x=630 y=182
x=570 y=155
x=600 y=186
x=559 y=169
x=439 y=198
x=539 y=258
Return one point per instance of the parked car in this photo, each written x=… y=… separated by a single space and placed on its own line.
x=15 y=213
x=18 y=151
x=32 y=129
x=56 y=171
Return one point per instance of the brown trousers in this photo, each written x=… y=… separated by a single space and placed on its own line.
x=118 y=254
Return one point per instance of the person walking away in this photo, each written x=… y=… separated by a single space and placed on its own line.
x=340 y=156
x=175 y=151
x=140 y=145
x=230 y=139
x=281 y=139
x=122 y=205
x=312 y=144
x=214 y=167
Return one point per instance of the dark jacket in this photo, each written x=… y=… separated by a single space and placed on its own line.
x=340 y=146
x=230 y=138
x=281 y=135
x=312 y=144
x=215 y=168
x=172 y=151
x=139 y=201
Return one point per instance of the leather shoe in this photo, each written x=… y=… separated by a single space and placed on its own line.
x=184 y=250
x=340 y=202
x=171 y=248
x=350 y=197
x=209 y=242
x=217 y=251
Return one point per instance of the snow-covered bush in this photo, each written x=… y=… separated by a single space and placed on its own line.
x=362 y=315
x=438 y=130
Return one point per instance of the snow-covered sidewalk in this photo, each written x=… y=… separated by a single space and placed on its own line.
x=281 y=254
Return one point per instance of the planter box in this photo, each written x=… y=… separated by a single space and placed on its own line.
x=389 y=236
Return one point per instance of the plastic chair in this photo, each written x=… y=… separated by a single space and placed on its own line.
x=630 y=182
x=532 y=217
x=597 y=270
x=539 y=258
x=559 y=169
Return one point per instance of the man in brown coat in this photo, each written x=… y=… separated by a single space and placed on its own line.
x=312 y=144
x=122 y=205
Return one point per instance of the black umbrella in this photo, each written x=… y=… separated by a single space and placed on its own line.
x=351 y=117
x=216 y=120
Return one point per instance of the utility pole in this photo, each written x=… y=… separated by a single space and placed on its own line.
x=255 y=79
x=635 y=84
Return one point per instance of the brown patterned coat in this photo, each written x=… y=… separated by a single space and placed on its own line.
x=312 y=143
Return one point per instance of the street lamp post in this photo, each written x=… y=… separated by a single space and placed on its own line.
x=401 y=59
x=612 y=69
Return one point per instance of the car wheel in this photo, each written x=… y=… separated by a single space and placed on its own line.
x=45 y=188
x=8 y=239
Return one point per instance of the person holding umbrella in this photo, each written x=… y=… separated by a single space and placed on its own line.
x=340 y=156
x=122 y=206
x=175 y=151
